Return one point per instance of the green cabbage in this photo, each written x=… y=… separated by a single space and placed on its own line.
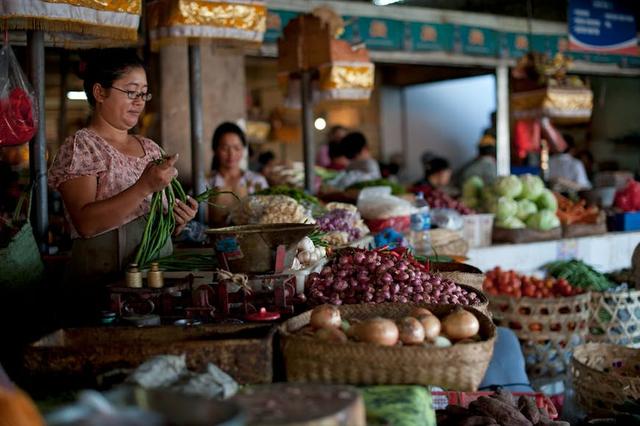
x=544 y=220
x=547 y=201
x=532 y=187
x=508 y=186
x=471 y=202
x=510 y=223
x=472 y=187
x=525 y=209
x=506 y=208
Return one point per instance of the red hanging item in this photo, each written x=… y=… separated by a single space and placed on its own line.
x=527 y=137
x=18 y=108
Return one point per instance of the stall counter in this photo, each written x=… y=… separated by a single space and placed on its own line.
x=606 y=252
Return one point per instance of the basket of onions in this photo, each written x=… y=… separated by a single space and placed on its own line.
x=389 y=343
x=354 y=276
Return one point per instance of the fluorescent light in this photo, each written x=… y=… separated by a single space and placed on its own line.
x=320 y=123
x=385 y=2
x=76 y=96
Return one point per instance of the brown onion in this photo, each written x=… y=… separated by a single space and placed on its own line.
x=460 y=324
x=431 y=325
x=331 y=334
x=379 y=331
x=411 y=331
x=419 y=312
x=325 y=316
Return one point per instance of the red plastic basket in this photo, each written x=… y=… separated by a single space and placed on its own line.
x=463 y=399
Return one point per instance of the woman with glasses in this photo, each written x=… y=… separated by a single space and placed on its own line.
x=106 y=175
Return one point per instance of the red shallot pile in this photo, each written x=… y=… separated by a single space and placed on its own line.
x=376 y=276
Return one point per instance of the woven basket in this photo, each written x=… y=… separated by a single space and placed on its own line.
x=615 y=318
x=460 y=273
x=459 y=367
x=548 y=329
x=605 y=376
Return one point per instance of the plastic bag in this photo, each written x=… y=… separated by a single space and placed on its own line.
x=377 y=203
x=18 y=108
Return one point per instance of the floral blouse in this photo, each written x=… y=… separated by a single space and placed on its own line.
x=87 y=154
x=252 y=181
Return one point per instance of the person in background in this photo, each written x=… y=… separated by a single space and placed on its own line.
x=586 y=157
x=106 y=177
x=266 y=161
x=323 y=157
x=566 y=170
x=336 y=154
x=356 y=150
x=437 y=172
x=229 y=144
x=484 y=165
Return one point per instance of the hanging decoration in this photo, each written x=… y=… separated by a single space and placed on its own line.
x=76 y=23
x=233 y=23
x=342 y=72
x=542 y=88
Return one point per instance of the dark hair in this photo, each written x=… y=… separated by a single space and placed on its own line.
x=353 y=144
x=487 y=150
x=265 y=157
x=571 y=143
x=221 y=130
x=335 y=129
x=435 y=165
x=335 y=150
x=104 y=66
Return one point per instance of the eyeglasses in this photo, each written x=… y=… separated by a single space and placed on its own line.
x=131 y=94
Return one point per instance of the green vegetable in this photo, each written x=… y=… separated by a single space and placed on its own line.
x=508 y=186
x=506 y=208
x=189 y=262
x=544 y=220
x=578 y=274
x=472 y=187
x=510 y=223
x=547 y=201
x=297 y=194
x=525 y=209
x=532 y=187
x=316 y=238
x=395 y=188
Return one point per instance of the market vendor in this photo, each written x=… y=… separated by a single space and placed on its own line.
x=106 y=175
x=437 y=171
x=484 y=165
x=229 y=144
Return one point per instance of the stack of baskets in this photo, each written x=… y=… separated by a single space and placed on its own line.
x=605 y=377
x=549 y=329
x=461 y=366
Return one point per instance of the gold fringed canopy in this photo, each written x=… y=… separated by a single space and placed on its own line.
x=236 y=23
x=76 y=23
x=566 y=105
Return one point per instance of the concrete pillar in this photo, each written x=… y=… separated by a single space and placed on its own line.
x=223 y=98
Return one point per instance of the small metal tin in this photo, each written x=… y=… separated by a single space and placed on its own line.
x=133 y=276
x=155 y=277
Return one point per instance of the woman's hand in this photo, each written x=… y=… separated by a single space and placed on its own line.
x=184 y=212
x=156 y=177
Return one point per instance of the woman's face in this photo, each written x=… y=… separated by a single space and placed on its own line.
x=230 y=151
x=442 y=178
x=114 y=105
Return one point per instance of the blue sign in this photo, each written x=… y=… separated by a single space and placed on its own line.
x=431 y=37
x=602 y=26
x=478 y=41
x=382 y=34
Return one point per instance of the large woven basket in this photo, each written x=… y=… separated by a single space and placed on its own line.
x=548 y=329
x=460 y=273
x=459 y=367
x=605 y=376
x=615 y=318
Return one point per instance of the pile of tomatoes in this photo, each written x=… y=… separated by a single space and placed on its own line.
x=510 y=283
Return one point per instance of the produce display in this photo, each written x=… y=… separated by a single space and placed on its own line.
x=518 y=202
x=628 y=198
x=579 y=274
x=308 y=201
x=341 y=224
x=510 y=283
x=501 y=408
x=267 y=209
x=308 y=254
x=570 y=212
x=375 y=276
x=420 y=327
x=440 y=200
x=396 y=189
